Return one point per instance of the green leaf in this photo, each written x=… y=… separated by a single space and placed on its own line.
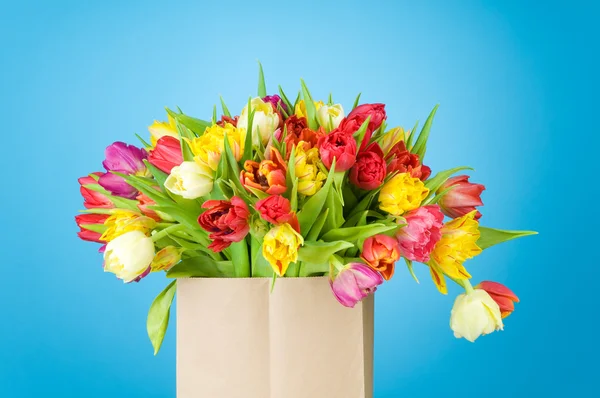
x=214 y=115
x=240 y=259
x=318 y=252
x=356 y=233
x=286 y=100
x=144 y=143
x=440 y=178
x=306 y=217
x=335 y=217
x=225 y=109
x=248 y=140
x=433 y=200
x=356 y=101
x=411 y=270
x=158 y=316
x=490 y=236
x=311 y=110
x=315 y=231
x=330 y=100
x=314 y=269
x=201 y=266
x=360 y=134
x=262 y=88
x=196 y=125
x=158 y=175
x=421 y=144
x=291 y=173
x=411 y=136
x=260 y=266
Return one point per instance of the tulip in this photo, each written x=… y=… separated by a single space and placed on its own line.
x=166 y=258
x=190 y=180
x=144 y=205
x=458 y=244
x=381 y=253
x=351 y=124
x=474 y=314
x=402 y=161
x=502 y=295
x=122 y=221
x=161 y=129
x=421 y=232
x=166 y=154
x=125 y=159
x=280 y=247
x=129 y=256
x=338 y=145
x=90 y=220
x=227 y=222
x=275 y=100
x=462 y=198
x=355 y=282
x=369 y=171
x=277 y=210
x=207 y=148
x=330 y=117
x=295 y=135
x=264 y=123
x=268 y=176
x=228 y=119
x=307 y=168
x=402 y=193
x=391 y=138
x=300 y=108
x=93 y=199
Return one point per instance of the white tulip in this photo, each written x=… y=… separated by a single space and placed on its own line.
x=190 y=180
x=264 y=123
x=129 y=256
x=475 y=314
x=330 y=117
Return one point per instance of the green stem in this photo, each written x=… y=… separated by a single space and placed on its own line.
x=163 y=233
x=467 y=286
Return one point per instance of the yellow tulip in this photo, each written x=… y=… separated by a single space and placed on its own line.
x=300 y=108
x=208 y=147
x=310 y=177
x=280 y=247
x=401 y=194
x=123 y=221
x=160 y=129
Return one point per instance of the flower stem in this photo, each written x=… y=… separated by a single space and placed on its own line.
x=163 y=233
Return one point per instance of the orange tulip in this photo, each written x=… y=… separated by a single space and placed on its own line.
x=381 y=252
x=268 y=175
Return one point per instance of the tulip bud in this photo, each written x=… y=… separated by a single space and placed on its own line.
x=502 y=295
x=129 y=256
x=355 y=282
x=190 y=180
x=475 y=314
x=330 y=117
x=166 y=258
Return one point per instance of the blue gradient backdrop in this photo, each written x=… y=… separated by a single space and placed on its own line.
x=516 y=82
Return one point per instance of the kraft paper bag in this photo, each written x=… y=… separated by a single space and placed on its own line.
x=236 y=339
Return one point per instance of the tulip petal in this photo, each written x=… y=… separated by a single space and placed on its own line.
x=438 y=279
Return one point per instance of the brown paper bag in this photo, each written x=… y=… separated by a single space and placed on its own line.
x=236 y=339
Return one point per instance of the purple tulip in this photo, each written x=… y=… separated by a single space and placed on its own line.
x=355 y=282
x=126 y=159
x=274 y=100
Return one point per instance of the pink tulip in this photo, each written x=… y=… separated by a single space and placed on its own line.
x=462 y=198
x=355 y=282
x=418 y=238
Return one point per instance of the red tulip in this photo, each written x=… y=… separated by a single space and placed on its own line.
x=93 y=199
x=90 y=219
x=144 y=202
x=338 y=145
x=277 y=210
x=227 y=119
x=502 y=295
x=351 y=124
x=227 y=222
x=462 y=198
x=381 y=253
x=369 y=171
x=402 y=161
x=166 y=154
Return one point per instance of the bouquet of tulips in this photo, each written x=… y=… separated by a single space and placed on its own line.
x=290 y=189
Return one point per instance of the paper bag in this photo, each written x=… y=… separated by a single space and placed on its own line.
x=236 y=339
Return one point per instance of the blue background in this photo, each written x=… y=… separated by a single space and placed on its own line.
x=517 y=83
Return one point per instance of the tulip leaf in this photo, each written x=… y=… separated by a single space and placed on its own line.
x=240 y=259
x=286 y=101
x=311 y=109
x=411 y=270
x=356 y=233
x=291 y=173
x=411 y=136
x=356 y=101
x=315 y=252
x=195 y=125
x=490 y=236
x=248 y=140
x=202 y=266
x=159 y=175
x=360 y=134
x=440 y=178
x=306 y=217
x=314 y=269
x=421 y=144
x=262 y=88
x=260 y=266
x=317 y=227
x=224 y=107
x=144 y=143
x=158 y=316
x=435 y=199
x=335 y=218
